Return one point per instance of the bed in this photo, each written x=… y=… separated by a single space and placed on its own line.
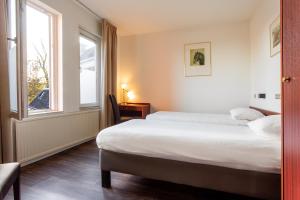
x=212 y=118
x=218 y=157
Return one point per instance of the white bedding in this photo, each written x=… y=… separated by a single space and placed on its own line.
x=196 y=117
x=221 y=145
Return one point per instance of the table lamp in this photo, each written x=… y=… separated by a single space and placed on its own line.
x=124 y=87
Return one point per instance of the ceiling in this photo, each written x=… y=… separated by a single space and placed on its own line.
x=146 y=16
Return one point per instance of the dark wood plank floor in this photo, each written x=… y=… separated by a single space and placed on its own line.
x=75 y=175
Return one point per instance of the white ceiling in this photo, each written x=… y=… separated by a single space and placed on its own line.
x=145 y=16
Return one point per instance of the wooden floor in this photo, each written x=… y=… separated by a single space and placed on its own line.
x=75 y=175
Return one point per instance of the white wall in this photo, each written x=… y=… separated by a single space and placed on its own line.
x=265 y=70
x=153 y=66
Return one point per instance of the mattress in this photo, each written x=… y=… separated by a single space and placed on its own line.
x=220 y=145
x=225 y=119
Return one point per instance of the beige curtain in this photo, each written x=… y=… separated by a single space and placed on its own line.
x=6 y=146
x=109 y=70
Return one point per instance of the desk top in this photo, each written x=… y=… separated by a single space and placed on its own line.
x=143 y=108
x=135 y=104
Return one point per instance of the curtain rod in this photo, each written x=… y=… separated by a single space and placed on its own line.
x=87 y=9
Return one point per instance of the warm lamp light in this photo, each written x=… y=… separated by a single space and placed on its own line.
x=124 y=86
x=126 y=93
x=130 y=95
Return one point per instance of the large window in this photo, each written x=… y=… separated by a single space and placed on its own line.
x=89 y=94
x=43 y=69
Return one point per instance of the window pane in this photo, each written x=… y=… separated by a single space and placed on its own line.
x=12 y=18
x=12 y=56
x=88 y=72
x=13 y=87
x=38 y=58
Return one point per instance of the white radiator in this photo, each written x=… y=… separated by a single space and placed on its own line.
x=37 y=138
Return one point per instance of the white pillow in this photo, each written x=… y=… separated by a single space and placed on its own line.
x=267 y=125
x=245 y=114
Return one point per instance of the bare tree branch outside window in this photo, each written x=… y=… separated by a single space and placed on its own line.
x=38 y=75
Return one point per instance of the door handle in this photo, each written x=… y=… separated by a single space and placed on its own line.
x=286 y=79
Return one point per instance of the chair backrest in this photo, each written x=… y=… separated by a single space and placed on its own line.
x=115 y=108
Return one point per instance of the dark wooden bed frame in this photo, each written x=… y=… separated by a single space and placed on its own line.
x=243 y=182
x=265 y=112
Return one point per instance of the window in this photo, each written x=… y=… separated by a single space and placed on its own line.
x=89 y=94
x=43 y=66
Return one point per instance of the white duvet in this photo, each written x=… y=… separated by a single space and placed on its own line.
x=225 y=119
x=221 y=145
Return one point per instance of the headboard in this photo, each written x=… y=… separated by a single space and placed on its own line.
x=265 y=112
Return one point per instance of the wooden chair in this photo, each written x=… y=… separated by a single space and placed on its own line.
x=116 y=111
x=10 y=176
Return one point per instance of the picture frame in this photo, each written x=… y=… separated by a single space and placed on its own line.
x=197 y=58
x=275 y=37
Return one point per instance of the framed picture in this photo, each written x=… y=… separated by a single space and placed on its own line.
x=197 y=59
x=275 y=37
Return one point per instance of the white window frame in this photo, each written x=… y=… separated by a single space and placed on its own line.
x=15 y=113
x=55 y=72
x=97 y=39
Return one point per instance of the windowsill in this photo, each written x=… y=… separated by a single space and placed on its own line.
x=43 y=113
x=46 y=114
x=54 y=114
x=90 y=108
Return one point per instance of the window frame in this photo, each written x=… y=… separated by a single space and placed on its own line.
x=17 y=114
x=55 y=60
x=97 y=40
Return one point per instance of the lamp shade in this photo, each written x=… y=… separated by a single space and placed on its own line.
x=124 y=86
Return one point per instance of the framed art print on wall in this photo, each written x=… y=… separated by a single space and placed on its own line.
x=275 y=37
x=197 y=59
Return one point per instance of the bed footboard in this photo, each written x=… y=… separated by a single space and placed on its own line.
x=242 y=182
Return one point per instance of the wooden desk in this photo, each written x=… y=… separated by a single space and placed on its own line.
x=135 y=110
